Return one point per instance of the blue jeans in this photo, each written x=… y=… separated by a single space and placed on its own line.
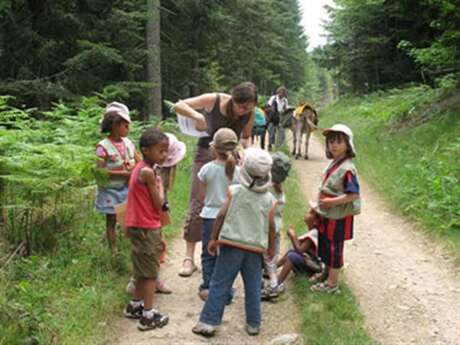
x=207 y=260
x=229 y=262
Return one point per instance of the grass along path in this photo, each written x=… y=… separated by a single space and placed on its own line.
x=407 y=287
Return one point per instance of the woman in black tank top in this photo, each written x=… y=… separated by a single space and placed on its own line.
x=235 y=111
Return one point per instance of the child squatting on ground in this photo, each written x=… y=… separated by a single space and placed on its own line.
x=116 y=156
x=142 y=220
x=280 y=171
x=243 y=230
x=338 y=201
x=303 y=257
x=215 y=177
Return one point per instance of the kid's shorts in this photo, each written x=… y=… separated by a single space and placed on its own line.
x=330 y=252
x=145 y=252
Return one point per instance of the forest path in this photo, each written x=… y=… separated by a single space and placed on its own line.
x=184 y=307
x=408 y=288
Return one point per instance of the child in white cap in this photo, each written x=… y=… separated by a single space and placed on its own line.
x=243 y=230
x=116 y=157
x=338 y=202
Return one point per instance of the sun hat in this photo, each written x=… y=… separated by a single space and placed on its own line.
x=224 y=139
x=176 y=151
x=120 y=109
x=281 y=166
x=342 y=129
x=255 y=171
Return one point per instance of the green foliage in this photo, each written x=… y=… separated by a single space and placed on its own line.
x=69 y=290
x=62 y=50
x=382 y=44
x=408 y=146
x=325 y=319
x=43 y=163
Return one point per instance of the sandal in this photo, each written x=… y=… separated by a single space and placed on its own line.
x=161 y=287
x=187 y=271
x=318 y=277
x=325 y=287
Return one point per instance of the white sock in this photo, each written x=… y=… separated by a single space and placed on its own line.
x=136 y=303
x=148 y=313
x=273 y=280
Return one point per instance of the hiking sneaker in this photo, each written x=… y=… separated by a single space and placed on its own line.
x=325 y=288
x=204 y=329
x=252 y=330
x=157 y=320
x=313 y=263
x=132 y=312
x=271 y=292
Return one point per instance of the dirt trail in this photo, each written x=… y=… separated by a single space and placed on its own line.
x=184 y=306
x=407 y=287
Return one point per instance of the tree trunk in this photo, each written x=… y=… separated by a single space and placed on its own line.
x=153 y=59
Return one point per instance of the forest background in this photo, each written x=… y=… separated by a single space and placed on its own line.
x=391 y=67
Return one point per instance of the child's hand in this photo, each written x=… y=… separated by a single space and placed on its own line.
x=270 y=253
x=327 y=202
x=310 y=218
x=212 y=247
x=291 y=232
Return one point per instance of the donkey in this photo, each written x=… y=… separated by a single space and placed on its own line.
x=303 y=120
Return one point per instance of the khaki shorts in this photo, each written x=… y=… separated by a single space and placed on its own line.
x=145 y=251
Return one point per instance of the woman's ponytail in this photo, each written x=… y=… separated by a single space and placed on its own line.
x=230 y=164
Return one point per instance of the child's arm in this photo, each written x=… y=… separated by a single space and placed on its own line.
x=351 y=189
x=271 y=231
x=299 y=245
x=212 y=245
x=149 y=177
x=328 y=202
x=202 y=178
x=137 y=157
x=294 y=239
x=201 y=192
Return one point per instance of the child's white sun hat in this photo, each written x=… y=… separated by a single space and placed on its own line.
x=176 y=151
x=255 y=171
x=342 y=129
x=120 y=109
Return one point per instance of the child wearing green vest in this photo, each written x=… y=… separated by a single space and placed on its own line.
x=338 y=202
x=280 y=171
x=116 y=156
x=243 y=230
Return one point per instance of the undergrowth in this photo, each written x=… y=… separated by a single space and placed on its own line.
x=66 y=288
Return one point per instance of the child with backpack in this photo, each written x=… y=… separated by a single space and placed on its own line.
x=116 y=156
x=280 y=171
x=338 y=203
x=142 y=220
x=243 y=230
x=215 y=177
